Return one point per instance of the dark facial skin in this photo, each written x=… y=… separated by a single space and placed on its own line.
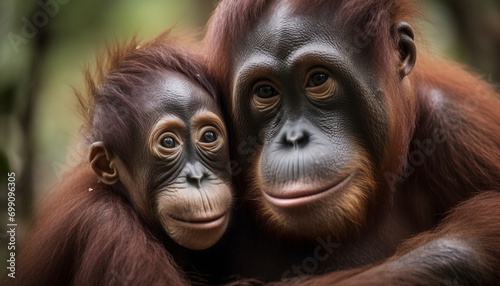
x=179 y=178
x=316 y=106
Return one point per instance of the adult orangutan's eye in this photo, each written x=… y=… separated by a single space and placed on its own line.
x=317 y=79
x=266 y=91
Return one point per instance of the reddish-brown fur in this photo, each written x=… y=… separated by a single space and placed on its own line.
x=460 y=167
x=93 y=237
x=373 y=19
x=416 y=264
x=88 y=233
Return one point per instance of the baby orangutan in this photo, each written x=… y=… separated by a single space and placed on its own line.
x=157 y=173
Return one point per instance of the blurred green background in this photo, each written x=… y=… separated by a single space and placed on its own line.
x=45 y=44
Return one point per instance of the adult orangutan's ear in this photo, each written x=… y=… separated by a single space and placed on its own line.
x=407 y=48
x=103 y=164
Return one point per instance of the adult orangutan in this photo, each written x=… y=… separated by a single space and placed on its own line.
x=155 y=180
x=349 y=146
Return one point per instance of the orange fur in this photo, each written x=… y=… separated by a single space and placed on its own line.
x=89 y=233
x=440 y=103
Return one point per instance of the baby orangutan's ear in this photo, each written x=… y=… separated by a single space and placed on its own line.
x=102 y=162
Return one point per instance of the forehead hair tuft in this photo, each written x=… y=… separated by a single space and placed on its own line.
x=112 y=111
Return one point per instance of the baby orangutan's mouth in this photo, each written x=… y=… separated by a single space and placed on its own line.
x=207 y=222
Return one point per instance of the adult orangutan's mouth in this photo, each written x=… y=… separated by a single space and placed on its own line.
x=300 y=194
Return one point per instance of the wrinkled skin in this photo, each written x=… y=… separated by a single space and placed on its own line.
x=321 y=118
x=311 y=127
x=322 y=128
